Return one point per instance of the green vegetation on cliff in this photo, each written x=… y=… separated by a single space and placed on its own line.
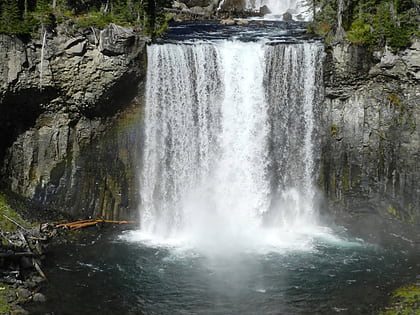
x=25 y=17
x=8 y=216
x=370 y=22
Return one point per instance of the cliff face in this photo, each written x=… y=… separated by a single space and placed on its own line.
x=68 y=126
x=371 y=141
x=71 y=119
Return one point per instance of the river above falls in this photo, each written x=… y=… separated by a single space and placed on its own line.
x=256 y=30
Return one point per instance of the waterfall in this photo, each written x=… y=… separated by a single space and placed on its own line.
x=301 y=10
x=41 y=67
x=230 y=140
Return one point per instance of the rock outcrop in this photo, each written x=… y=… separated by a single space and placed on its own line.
x=67 y=128
x=371 y=141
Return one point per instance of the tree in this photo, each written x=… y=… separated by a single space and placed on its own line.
x=11 y=22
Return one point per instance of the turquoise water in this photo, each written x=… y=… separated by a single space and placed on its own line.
x=111 y=274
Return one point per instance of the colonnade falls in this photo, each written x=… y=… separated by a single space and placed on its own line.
x=230 y=221
x=231 y=143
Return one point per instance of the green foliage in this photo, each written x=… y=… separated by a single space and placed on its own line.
x=5 y=291
x=23 y=17
x=371 y=22
x=359 y=32
x=7 y=211
x=14 y=18
x=325 y=19
x=334 y=130
x=405 y=301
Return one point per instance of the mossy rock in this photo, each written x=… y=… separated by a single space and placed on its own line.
x=5 y=293
x=404 y=301
x=7 y=213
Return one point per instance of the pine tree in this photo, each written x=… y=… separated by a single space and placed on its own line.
x=10 y=22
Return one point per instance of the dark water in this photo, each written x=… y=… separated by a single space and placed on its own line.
x=109 y=275
x=105 y=273
x=273 y=31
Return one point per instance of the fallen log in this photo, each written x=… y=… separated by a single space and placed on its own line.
x=85 y=223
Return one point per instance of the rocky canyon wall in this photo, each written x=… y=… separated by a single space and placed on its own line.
x=71 y=112
x=371 y=140
x=71 y=109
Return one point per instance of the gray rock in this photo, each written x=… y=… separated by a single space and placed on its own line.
x=77 y=50
x=115 y=40
x=39 y=298
x=228 y=22
x=233 y=5
x=370 y=135
x=71 y=42
x=19 y=310
x=23 y=293
x=179 y=5
x=264 y=10
x=287 y=17
x=198 y=10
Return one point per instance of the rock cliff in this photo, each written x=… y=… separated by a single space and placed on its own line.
x=67 y=128
x=71 y=119
x=371 y=140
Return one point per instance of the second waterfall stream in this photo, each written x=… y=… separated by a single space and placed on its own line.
x=230 y=152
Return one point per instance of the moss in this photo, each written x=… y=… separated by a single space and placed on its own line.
x=392 y=211
x=395 y=100
x=333 y=183
x=346 y=186
x=5 y=292
x=404 y=301
x=413 y=217
x=334 y=130
x=7 y=211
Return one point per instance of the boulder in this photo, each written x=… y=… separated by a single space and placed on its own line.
x=264 y=10
x=77 y=50
x=179 y=5
x=227 y=22
x=242 y=22
x=115 y=40
x=287 y=17
x=39 y=297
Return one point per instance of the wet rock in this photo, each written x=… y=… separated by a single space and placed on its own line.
x=264 y=10
x=19 y=310
x=39 y=298
x=370 y=132
x=287 y=17
x=233 y=5
x=242 y=22
x=46 y=127
x=228 y=22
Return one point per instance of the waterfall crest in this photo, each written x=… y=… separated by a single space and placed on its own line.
x=230 y=146
x=300 y=10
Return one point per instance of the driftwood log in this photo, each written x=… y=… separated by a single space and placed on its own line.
x=85 y=223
